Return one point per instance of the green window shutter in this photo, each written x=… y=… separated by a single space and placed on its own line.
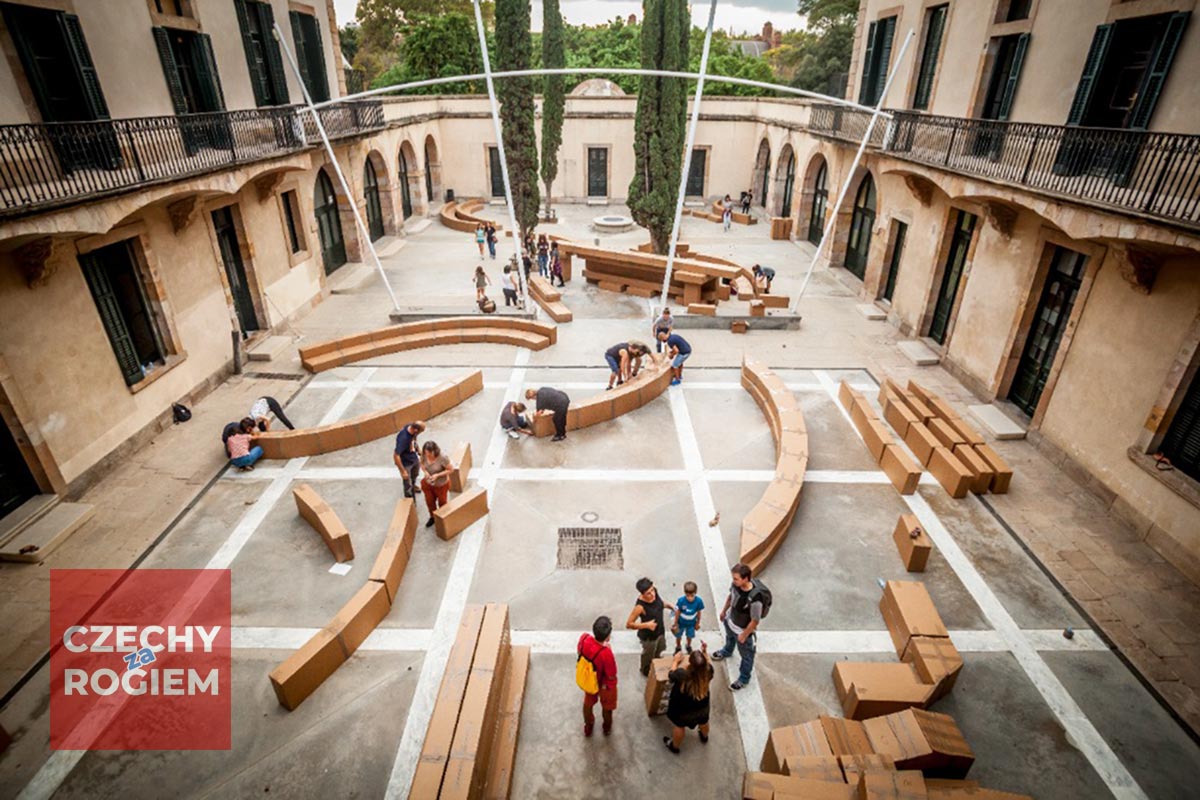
x=162 y=40
x=278 y=78
x=299 y=40
x=258 y=72
x=1156 y=76
x=206 y=72
x=84 y=67
x=111 y=317
x=1182 y=442
x=868 y=72
x=1014 y=76
x=929 y=56
x=316 y=62
x=1091 y=69
x=886 y=31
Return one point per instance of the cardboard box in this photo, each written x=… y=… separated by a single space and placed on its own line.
x=442 y=398
x=307 y=668
x=916 y=405
x=543 y=426
x=454 y=517
x=827 y=769
x=845 y=736
x=768 y=786
x=940 y=407
x=902 y=471
x=377 y=426
x=969 y=793
x=854 y=765
x=890 y=784
x=658 y=686
x=776 y=300
x=1002 y=471
x=807 y=739
x=876 y=436
x=908 y=611
x=738 y=326
x=846 y=395
x=460 y=459
x=921 y=441
x=924 y=740
x=625 y=399
x=912 y=542
x=936 y=660
x=504 y=749
x=972 y=436
x=392 y=560
x=317 y=513
x=917 y=390
x=871 y=688
x=950 y=472
x=946 y=435
x=899 y=416
x=594 y=411
x=981 y=473
x=354 y=622
x=757 y=308
x=702 y=309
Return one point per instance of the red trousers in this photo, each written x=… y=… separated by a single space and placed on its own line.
x=435 y=496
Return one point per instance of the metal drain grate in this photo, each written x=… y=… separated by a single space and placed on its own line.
x=274 y=376
x=590 y=548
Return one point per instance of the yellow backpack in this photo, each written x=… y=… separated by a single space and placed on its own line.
x=585 y=675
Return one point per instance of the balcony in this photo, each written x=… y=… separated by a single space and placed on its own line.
x=1143 y=172
x=53 y=164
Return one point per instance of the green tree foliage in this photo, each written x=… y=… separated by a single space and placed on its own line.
x=817 y=59
x=348 y=35
x=514 y=48
x=726 y=58
x=383 y=24
x=553 y=100
x=436 y=47
x=660 y=123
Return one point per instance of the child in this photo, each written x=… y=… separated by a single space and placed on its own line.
x=481 y=283
x=480 y=236
x=662 y=324
x=687 y=615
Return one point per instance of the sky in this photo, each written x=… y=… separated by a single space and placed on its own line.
x=740 y=15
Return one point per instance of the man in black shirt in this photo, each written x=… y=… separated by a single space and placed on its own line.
x=740 y=617
x=647 y=619
x=407 y=455
x=552 y=401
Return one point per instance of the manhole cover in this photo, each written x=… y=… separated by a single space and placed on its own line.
x=590 y=548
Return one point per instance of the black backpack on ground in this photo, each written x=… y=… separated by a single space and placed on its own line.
x=760 y=592
x=181 y=412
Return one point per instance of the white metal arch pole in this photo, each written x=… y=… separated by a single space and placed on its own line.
x=687 y=156
x=362 y=226
x=512 y=210
x=862 y=146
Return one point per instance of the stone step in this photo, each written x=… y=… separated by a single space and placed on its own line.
x=416 y=226
x=918 y=353
x=48 y=532
x=25 y=514
x=269 y=347
x=996 y=422
x=390 y=245
x=871 y=311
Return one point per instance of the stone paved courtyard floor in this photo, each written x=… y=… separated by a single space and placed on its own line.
x=1047 y=716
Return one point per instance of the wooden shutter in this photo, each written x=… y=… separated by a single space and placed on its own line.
x=1091 y=69
x=258 y=70
x=316 y=65
x=868 y=72
x=278 y=78
x=300 y=42
x=886 y=30
x=1156 y=76
x=1182 y=442
x=206 y=72
x=84 y=68
x=162 y=40
x=1014 y=75
x=929 y=58
x=111 y=317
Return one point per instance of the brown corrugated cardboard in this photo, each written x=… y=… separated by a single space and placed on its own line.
x=814 y=768
x=757 y=308
x=972 y=436
x=392 y=560
x=454 y=517
x=890 y=784
x=807 y=739
x=940 y=407
x=924 y=740
x=354 y=621
x=945 y=434
x=1003 y=472
x=918 y=390
x=908 y=611
x=912 y=542
x=845 y=736
x=815 y=790
x=594 y=411
x=846 y=395
x=738 y=326
x=658 y=686
x=981 y=473
x=307 y=668
x=324 y=521
x=855 y=764
x=899 y=416
x=871 y=688
x=936 y=660
x=916 y=405
x=921 y=441
x=461 y=460
x=769 y=786
x=969 y=793
x=902 y=471
x=504 y=748
x=950 y=472
x=702 y=309
x=876 y=436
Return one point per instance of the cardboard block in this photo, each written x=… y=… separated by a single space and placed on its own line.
x=964 y=430
x=397 y=547
x=890 y=784
x=845 y=736
x=912 y=542
x=945 y=434
x=876 y=437
x=324 y=521
x=658 y=686
x=340 y=436
x=307 y=668
x=981 y=473
x=950 y=472
x=738 y=326
x=898 y=415
x=702 y=309
x=460 y=459
x=442 y=398
x=807 y=739
x=921 y=442
x=376 y=426
x=918 y=390
x=1002 y=471
x=757 y=308
x=908 y=611
x=924 y=740
x=846 y=394
x=768 y=786
x=504 y=749
x=543 y=426
x=814 y=768
x=870 y=688
x=625 y=399
x=902 y=471
x=855 y=764
x=594 y=410
x=939 y=405
x=723 y=292
x=457 y=515
x=936 y=660
x=916 y=405
x=354 y=621
x=775 y=300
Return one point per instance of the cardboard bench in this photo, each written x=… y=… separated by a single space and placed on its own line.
x=456 y=516
x=702 y=309
x=549 y=298
x=325 y=521
x=372 y=425
x=393 y=557
x=901 y=470
x=718 y=210
x=460 y=460
x=460 y=215
x=651 y=381
x=470 y=744
x=912 y=542
x=969 y=457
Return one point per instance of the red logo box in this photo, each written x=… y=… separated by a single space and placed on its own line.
x=140 y=659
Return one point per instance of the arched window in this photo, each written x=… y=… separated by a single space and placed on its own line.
x=329 y=224
x=371 y=195
x=860 y=227
x=789 y=181
x=406 y=208
x=816 y=220
x=429 y=159
x=762 y=171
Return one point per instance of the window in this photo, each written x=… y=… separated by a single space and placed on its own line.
x=267 y=79
x=695 y=178
x=899 y=232
x=816 y=219
x=858 y=246
x=956 y=261
x=1182 y=442
x=172 y=8
x=190 y=69
x=875 y=60
x=113 y=279
x=1050 y=320
x=310 y=54
x=493 y=168
x=935 y=22
x=1013 y=10
x=1006 y=72
x=57 y=63
x=291 y=213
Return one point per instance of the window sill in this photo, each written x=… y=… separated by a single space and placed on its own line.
x=171 y=363
x=1173 y=479
x=297 y=258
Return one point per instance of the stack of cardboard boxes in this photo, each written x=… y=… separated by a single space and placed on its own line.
x=658 y=686
x=901 y=470
x=549 y=298
x=651 y=381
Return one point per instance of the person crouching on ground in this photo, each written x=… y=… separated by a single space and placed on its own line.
x=624 y=361
x=436 y=483
x=763 y=277
x=514 y=422
x=678 y=351
x=555 y=402
x=596 y=675
x=269 y=405
x=241 y=448
x=647 y=619
x=687 y=707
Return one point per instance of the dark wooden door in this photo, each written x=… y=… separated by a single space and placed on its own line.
x=235 y=269
x=695 y=181
x=816 y=220
x=329 y=224
x=964 y=228
x=16 y=481
x=861 y=222
x=1046 y=331
x=371 y=195
x=597 y=172
x=789 y=181
x=889 y=283
x=406 y=206
x=497 y=175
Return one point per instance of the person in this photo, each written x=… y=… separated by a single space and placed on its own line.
x=687 y=618
x=594 y=647
x=241 y=448
x=687 y=705
x=678 y=351
x=727 y=215
x=491 y=240
x=662 y=324
x=508 y=282
x=743 y=609
x=543 y=256
x=763 y=276
x=436 y=483
x=405 y=456
x=556 y=270
x=647 y=619
x=513 y=420
x=526 y=264
x=624 y=359
x=481 y=283
x=480 y=237
x=268 y=405
x=747 y=198
x=552 y=401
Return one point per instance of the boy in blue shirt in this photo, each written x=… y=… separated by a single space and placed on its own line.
x=678 y=351
x=687 y=615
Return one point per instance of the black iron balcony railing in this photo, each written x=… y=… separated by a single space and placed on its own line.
x=48 y=164
x=1156 y=174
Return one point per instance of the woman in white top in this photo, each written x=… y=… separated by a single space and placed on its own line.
x=508 y=282
x=268 y=405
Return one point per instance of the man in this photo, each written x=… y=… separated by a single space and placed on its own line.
x=624 y=361
x=407 y=455
x=747 y=197
x=552 y=401
x=763 y=275
x=595 y=648
x=647 y=619
x=678 y=351
x=740 y=617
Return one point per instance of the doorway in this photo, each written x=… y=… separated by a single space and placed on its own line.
x=406 y=204
x=956 y=259
x=496 y=173
x=17 y=483
x=371 y=195
x=816 y=220
x=899 y=232
x=695 y=181
x=329 y=225
x=235 y=270
x=861 y=223
x=597 y=177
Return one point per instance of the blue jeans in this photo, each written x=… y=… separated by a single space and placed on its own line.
x=492 y=249
x=543 y=261
x=248 y=460
x=745 y=649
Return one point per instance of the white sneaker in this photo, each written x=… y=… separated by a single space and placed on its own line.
x=514 y=435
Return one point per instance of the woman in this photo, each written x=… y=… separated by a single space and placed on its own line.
x=508 y=282
x=514 y=422
x=436 y=483
x=491 y=240
x=556 y=270
x=543 y=255
x=687 y=706
x=481 y=283
x=480 y=237
x=241 y=448
x=269 y=405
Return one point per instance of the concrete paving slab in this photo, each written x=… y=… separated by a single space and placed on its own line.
x=996 y=422
x=871 y=311
x=269 y=347
x=918 y=353
x=206 y=526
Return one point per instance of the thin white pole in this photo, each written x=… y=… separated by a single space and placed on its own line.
x=512 y=210
x=862 y=146
x=364 y=233
x=687 y=158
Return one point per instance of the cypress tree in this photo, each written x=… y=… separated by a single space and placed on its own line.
x=514 y=47
x=553 y=97
x=660 y=126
